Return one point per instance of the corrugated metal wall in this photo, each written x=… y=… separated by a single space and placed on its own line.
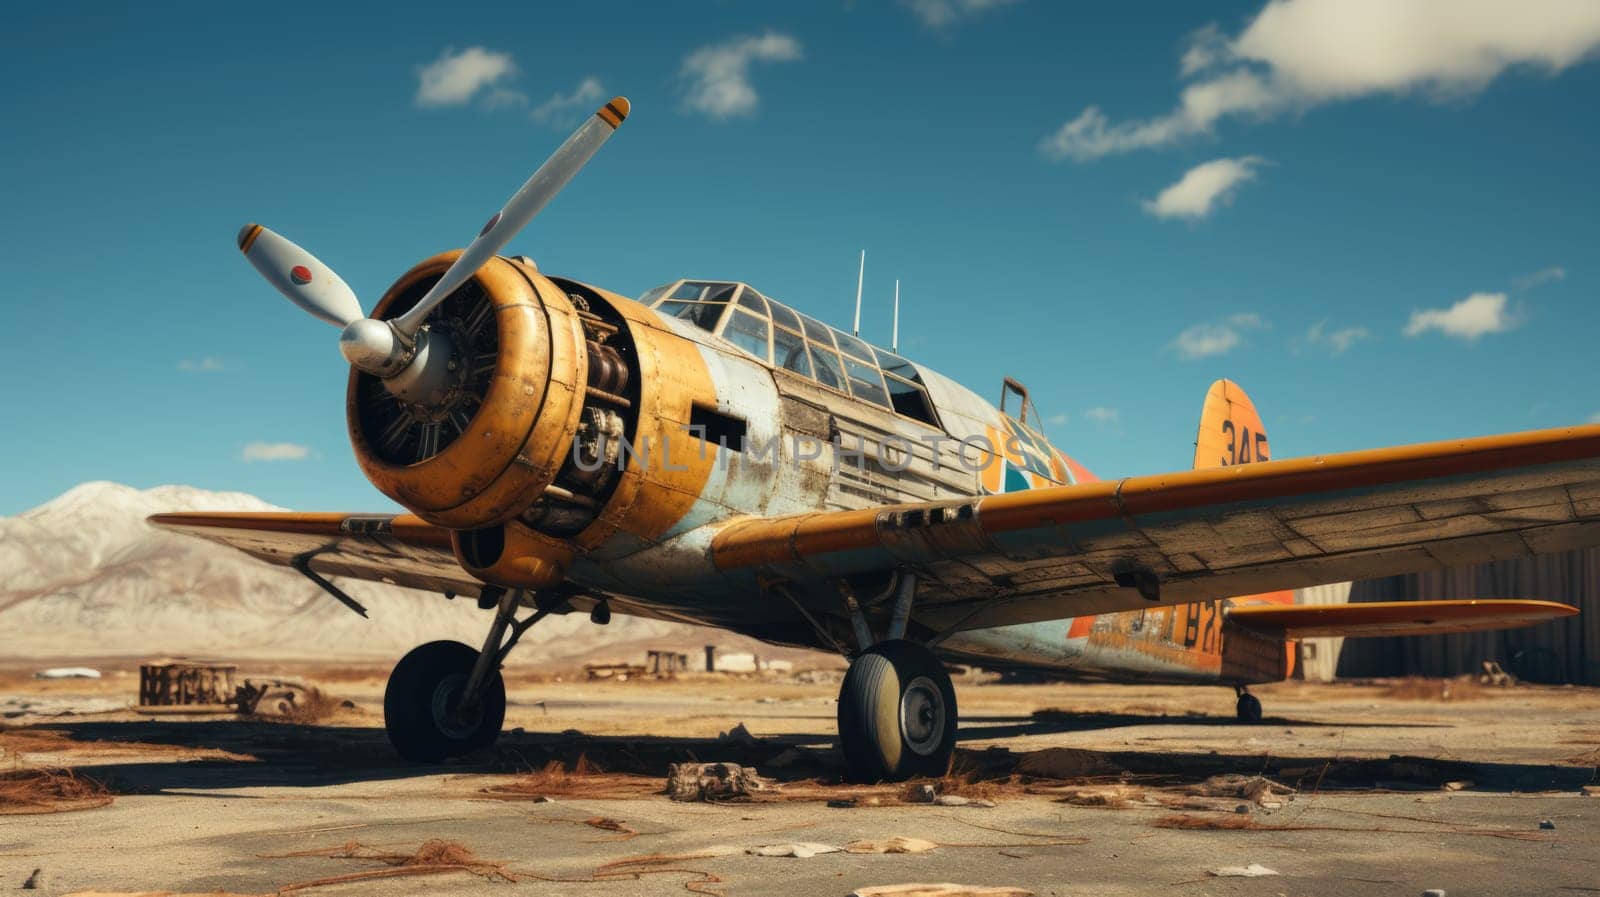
x=1567 y=650
x=1319 y=657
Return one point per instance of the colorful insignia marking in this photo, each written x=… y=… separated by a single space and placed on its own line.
x=300 y=274
x=490 y=225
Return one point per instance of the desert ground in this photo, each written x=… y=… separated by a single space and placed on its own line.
x=1370 y=788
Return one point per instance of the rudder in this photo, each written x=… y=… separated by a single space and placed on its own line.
x=1231 y=431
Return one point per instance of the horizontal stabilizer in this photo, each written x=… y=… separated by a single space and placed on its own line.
x=1396 y=617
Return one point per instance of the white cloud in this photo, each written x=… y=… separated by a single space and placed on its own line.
x=1057 y=420
x=274 y=451
x=1105 y=419
x=1205 y=340
x=455 y=78
x=1336 y=341
x=1472 y=317
x=1297 y=54
x=1594 y=418
x=1543 y=276
x=718 y=75
x=208 y=363
x=565 y=108
x=943 y=13
x=1203 y=188
x=1208 y=339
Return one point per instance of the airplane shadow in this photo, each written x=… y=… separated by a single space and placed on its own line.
x=273 y=754
x=975 y=727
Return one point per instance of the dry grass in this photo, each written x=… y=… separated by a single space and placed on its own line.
x=435 y=857
x=49 y=790
x=968 y=778
x=584 y=779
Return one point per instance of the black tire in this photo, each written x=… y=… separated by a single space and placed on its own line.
x=423 y=692
x=1248 y=709
x=879 y=741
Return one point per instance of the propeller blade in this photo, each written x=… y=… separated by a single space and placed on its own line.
x=524 y=204
x=299 y=275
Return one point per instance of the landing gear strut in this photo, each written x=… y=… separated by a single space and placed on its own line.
x=446 y=699
x=1248 y=710
x=897 y=706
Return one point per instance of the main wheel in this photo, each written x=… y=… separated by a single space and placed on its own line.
x=897 y=714
x=1248 y=709
x=422 y=704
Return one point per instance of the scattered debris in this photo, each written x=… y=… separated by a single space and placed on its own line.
x=939 y=890
x=1433 y=892
x=844 y=803
x=1114 y=796
x=801 y=849
x=1591 y=790
x=1259 y=790
x=919 y=793
x=1547 y=824
x=68 y=673
x=711 y=781
x=1066 y=763
x=1456 y=785
x=1254 y=870
x=1493 y=675
x=35 y=881
x=956 y=800
x=896 y=844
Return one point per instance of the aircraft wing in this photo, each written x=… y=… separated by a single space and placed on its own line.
x=399 y=549
x=1201 y=535
x=1395 y=617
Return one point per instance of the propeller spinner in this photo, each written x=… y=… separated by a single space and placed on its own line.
x=399 y=351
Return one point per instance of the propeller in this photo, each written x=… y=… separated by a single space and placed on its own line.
x=300 y=275
x=388 y=348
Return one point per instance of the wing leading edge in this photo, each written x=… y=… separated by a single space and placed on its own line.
x=395 y=548
x=1203 y=534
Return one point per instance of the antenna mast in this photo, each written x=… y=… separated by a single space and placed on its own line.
x=860 y=276
x=894 y=336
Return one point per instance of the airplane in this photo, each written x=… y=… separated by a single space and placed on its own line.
x=707 y=454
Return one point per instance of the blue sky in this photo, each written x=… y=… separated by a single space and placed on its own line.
x=1379 y=217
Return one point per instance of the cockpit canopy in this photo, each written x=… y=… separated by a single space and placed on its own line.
x=783 y=338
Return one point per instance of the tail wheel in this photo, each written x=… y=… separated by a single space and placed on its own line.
x=1248 y=709
x=897 y=714
x=423 y=708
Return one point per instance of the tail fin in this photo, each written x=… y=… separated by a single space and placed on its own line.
x=1231 y=431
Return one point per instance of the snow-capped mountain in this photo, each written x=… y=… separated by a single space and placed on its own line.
x=84 y=576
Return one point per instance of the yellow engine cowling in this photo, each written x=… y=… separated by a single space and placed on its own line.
x=545 y=364
x=496 y=450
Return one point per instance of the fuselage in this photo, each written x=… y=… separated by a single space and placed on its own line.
x=898 y=431
x=597 y=443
